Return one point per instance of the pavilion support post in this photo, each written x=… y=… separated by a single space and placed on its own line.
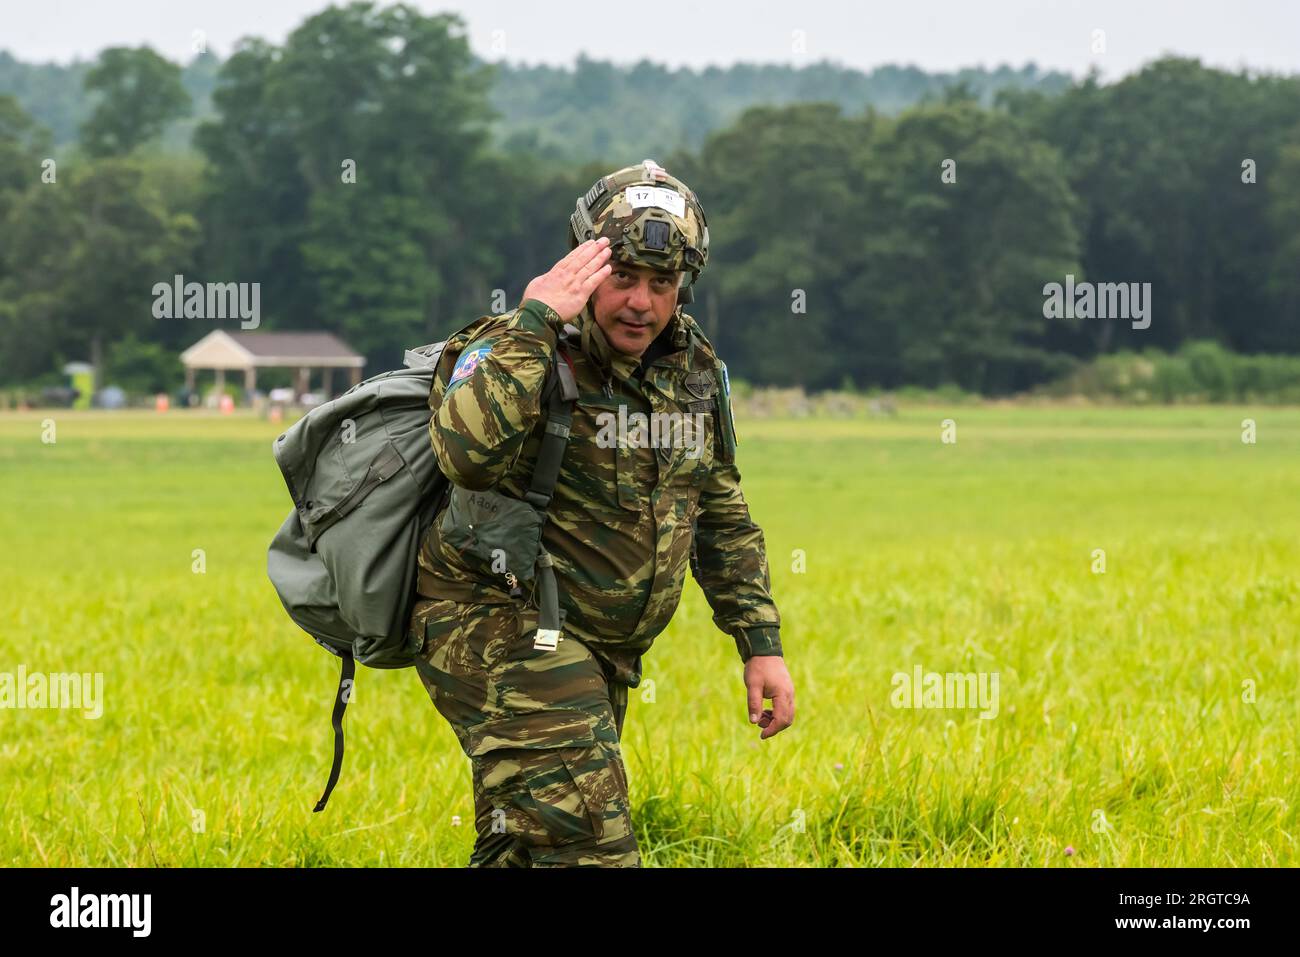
x=250 y=378
x=304 y=381
x=327 y=384
x=221 y=383
x=189 y=378
x=356 y=375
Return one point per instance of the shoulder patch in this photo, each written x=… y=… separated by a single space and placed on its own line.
x=469 y=361
x=727 y=427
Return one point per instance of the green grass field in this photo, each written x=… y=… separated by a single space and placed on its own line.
x=1125 y=730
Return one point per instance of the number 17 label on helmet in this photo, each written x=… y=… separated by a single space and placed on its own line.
x=669 y=199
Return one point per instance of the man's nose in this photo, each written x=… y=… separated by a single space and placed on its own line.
x=639 y=297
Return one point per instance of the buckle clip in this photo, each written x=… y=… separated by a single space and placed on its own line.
x=547 y=639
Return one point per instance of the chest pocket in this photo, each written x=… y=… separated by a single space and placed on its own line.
x=597 y=477
x=690 y=453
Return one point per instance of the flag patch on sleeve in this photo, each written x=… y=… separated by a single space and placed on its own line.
x=469 y=361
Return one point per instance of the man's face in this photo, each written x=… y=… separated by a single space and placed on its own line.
x=633 y=305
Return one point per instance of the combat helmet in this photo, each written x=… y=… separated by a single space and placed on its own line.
x=650 y=217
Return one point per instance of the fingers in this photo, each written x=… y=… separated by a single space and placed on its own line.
x=592 y=272
x=754 y=694
x=599 y=258
x=595 y=279
x=782 y=712
x=582 y=254
x=572 y=255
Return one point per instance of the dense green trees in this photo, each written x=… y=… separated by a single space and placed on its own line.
x=80 y=259
x=349 y=175
x=1157 y=161
x=885 y=251
x=85 y=239
x=592 y=111
x=138 y=93
x=364 y=175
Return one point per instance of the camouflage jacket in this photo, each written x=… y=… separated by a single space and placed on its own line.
x=625 y=517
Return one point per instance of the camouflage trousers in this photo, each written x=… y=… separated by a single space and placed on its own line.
x=541 y=730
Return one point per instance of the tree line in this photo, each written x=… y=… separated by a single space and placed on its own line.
x=358 y=173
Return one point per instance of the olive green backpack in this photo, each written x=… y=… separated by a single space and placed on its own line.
x=366 y=487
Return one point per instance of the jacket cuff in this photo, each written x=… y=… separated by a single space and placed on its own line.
x=537 y=317
x=758 y=640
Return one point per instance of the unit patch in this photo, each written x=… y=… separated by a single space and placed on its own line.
x=467 y=363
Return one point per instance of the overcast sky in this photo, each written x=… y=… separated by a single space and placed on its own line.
x=933 y=34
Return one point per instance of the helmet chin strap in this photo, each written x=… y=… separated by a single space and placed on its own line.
x=594 y=343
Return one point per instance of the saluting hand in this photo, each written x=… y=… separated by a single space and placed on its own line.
x=572 y=280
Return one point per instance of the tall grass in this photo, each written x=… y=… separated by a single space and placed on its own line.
x=1125 y=730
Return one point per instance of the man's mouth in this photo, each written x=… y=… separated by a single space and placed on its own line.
x=638 y=326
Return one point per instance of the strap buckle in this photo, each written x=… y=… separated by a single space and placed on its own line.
x=547 y=638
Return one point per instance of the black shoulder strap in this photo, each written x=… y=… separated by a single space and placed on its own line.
x=558 y=395
x=347 y=677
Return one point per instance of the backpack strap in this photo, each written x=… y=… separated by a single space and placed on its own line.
x=559 y=394
x=346 y=680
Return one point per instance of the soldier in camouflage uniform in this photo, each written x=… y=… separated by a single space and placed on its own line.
x=542 y=726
